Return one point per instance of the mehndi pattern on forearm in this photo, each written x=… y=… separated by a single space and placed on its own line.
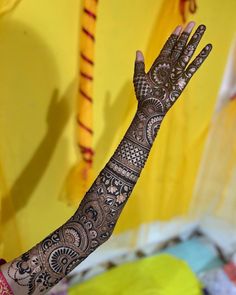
x=92 y=224
x=46 y=264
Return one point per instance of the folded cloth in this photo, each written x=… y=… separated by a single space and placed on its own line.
x=199 y=253
x=230 y=270
x=7 y=5
x=160 y=275
x=217 y=282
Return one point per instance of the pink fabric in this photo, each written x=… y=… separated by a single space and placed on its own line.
x=4 y=287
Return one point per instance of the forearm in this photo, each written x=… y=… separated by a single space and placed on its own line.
x=39 y=269
x=36 y=271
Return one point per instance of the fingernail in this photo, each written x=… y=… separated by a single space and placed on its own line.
x=139 y=55
x=177 y=30
x=189 y=27
x=202 y=27
x=209 y=46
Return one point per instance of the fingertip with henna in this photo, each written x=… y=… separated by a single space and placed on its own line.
x=177 y=30
x=189 y=27
x=139 y=56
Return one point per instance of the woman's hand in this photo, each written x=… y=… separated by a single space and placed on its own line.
x=43 y=266
x=170 y=72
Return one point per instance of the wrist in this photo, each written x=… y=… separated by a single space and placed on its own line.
x=153 y=106
x=145 y=125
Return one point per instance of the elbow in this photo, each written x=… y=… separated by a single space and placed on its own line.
x=106 y=233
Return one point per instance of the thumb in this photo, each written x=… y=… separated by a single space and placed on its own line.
x=139 y=67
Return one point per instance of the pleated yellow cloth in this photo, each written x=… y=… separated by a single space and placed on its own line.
x=7 y=5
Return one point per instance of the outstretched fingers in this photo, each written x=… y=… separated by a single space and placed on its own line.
x=196 y=63
x=191 y=47
x=182 y=41
x=170 y=43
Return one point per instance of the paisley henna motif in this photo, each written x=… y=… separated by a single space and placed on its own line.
x=168 y=75
x=39 y=269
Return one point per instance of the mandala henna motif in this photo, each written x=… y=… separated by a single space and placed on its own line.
x=47 y=263
x=153 y=125
x=167 y=77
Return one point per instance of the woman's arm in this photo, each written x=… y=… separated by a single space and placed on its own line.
x=39 y=269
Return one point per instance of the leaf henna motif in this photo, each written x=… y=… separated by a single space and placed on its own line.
x=48 y=262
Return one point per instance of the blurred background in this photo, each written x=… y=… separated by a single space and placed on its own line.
x=66 y=99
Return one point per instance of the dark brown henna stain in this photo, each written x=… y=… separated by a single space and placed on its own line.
x=47 y=263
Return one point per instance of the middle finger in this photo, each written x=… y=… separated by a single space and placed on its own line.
x=182 y=41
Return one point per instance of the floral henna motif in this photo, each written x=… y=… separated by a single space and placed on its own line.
x=47 y=263
x=167 y=77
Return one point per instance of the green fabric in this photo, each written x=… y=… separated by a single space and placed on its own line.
x=159 y=275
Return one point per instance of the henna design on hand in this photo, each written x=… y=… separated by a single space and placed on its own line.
x=39 y=269
x=167 y=77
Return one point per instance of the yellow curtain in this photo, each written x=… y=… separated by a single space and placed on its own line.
x=215 y=191
x=38 y=83
x=214 y=194
x=7 y=5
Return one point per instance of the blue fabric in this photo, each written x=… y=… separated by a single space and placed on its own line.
x=197 y=253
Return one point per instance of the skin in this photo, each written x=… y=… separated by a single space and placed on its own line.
x=42 y=267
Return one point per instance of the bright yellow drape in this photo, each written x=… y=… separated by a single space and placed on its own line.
x=215 y=190
x=38 y=80
x=214 y=193
x=7 y=5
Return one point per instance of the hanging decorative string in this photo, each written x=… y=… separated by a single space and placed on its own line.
x=187 y=5
x=80 y=176
x=85 y=96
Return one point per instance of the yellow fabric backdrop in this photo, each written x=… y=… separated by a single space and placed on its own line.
x=38 y=72
x=7 y=5
x=215 y=189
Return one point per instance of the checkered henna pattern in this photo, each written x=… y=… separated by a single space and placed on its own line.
x=40 y=268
